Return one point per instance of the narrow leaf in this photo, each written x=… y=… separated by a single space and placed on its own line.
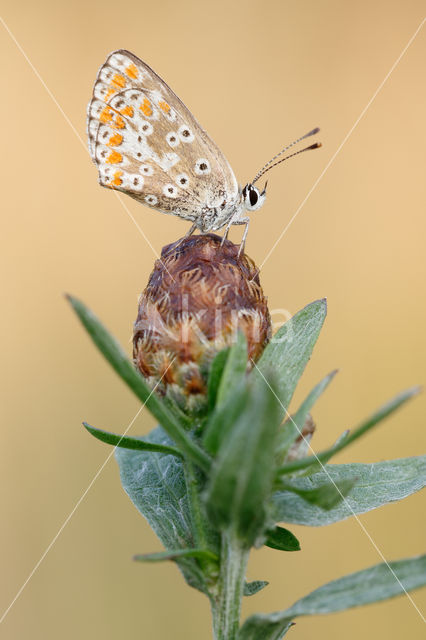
x=250 y=588
x=112 y=351
x=240 y=481
x=177 y=554
x=290 y=349
x=234 y=370
x=282 y=539
x=223 y=419
x=377 y=484
x=215 y=376
x=293 y=426
x=127 y=442
x=326 y=495
x=365 y=426
x=375 y=584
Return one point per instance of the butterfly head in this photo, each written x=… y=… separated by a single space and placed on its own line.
x=253 y=198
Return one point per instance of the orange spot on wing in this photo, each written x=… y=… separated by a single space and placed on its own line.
x=164 y=106
x=106 y=115
x=127 y=111
x=118 y=122
x=114 y=157
x=115 y=140
x=132 y=71
x=108 y=94
x=118 y=81
x=146 y=107
x=117 y=181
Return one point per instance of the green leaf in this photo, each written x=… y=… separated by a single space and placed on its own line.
x=250 y=588
x=223 y=419
x=127 y=442
x=156 y=485
x=282 y=539
x=112 y=351
x=377 y=484
x=382 y=413
x=290 y=349
x=326 y=495
x=375 y=584
x=177 y=554
x=293 y=426
x=234 y=370
x=241 y=478
x=215 y=376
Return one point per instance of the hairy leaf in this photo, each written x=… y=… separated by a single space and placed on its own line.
x=282 y=539
x=377 y=583
x=377 y=484
x=250 y=588
x=289 y=351
x=156 y=484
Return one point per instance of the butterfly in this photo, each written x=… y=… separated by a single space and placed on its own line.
x=146 y=143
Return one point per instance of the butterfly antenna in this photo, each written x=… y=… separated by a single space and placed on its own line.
x=271 y=162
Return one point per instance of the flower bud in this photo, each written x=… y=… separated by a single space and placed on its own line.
x=200 y=294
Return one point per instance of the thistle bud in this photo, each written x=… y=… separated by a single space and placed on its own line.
x=200 y=294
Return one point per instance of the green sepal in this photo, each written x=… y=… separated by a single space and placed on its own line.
x=128 y=442
x=325 y=496
x=281 y=539
x=240 y=481
x=234 y=370
x=115 y=355
x=379 y=415
x=215 y=375
x=251 y=588
x=177 y=554
x=223 y=419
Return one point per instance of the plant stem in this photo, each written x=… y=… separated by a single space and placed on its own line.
x=227 y=605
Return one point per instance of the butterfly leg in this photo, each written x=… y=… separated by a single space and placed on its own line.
x=191 y=231
x=225 y=235
x=245 y=221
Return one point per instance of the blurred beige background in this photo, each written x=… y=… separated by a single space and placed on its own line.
x=256 y=75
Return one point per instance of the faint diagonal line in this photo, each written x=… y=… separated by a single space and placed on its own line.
x=345 y=139
x=82 y=142
x=342 y=496
x=80 y=500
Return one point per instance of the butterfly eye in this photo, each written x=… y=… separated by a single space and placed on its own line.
x=253 y=197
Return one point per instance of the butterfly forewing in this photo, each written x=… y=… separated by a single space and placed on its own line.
x=146 y=143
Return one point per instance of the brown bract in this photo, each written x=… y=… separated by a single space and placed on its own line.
x=198 y=297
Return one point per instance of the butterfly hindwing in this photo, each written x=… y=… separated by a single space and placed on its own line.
x=146 y=143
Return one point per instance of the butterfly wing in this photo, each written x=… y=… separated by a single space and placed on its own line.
x=146 y=143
